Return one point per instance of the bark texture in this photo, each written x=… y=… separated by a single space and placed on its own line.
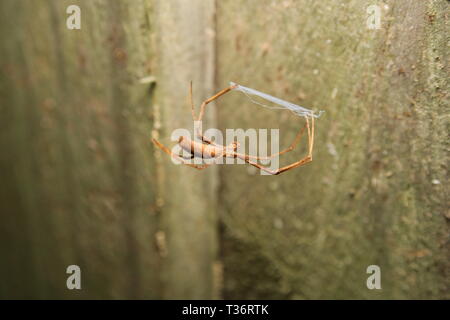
x=376 y=192
x=187 y=198
x=80 y=182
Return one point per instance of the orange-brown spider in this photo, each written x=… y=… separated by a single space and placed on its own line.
x=208 y=149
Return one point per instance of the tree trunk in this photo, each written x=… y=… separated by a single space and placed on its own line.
x=375 y=193
x=187 y=197
x=79 y=178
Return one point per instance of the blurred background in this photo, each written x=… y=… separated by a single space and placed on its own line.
x=81 y=183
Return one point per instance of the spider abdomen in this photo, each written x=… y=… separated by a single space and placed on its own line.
x=199 y=149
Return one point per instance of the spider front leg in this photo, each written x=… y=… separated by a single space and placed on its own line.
x=202 y=109
x=296 y=164
x=214 y=97
x=306 y=159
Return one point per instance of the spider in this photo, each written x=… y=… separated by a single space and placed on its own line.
x=207 y=149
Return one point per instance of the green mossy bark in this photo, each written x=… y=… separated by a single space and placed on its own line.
x=81 y=181
x=187 y=197
x=376 y=192
x=77 y=167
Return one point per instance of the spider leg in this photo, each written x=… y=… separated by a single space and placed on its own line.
x=296 y=164
x=214 y=97
x=311 y=136
x=306 y=159
x=202 y=109
x=192 y=102
x=288 y=149
x=261 y=167
x=173 y=155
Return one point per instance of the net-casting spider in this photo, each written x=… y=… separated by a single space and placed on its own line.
x=207 y=149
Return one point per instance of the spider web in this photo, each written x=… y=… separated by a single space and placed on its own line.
x=282 y=104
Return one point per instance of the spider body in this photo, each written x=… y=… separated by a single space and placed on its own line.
x=207 y=149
